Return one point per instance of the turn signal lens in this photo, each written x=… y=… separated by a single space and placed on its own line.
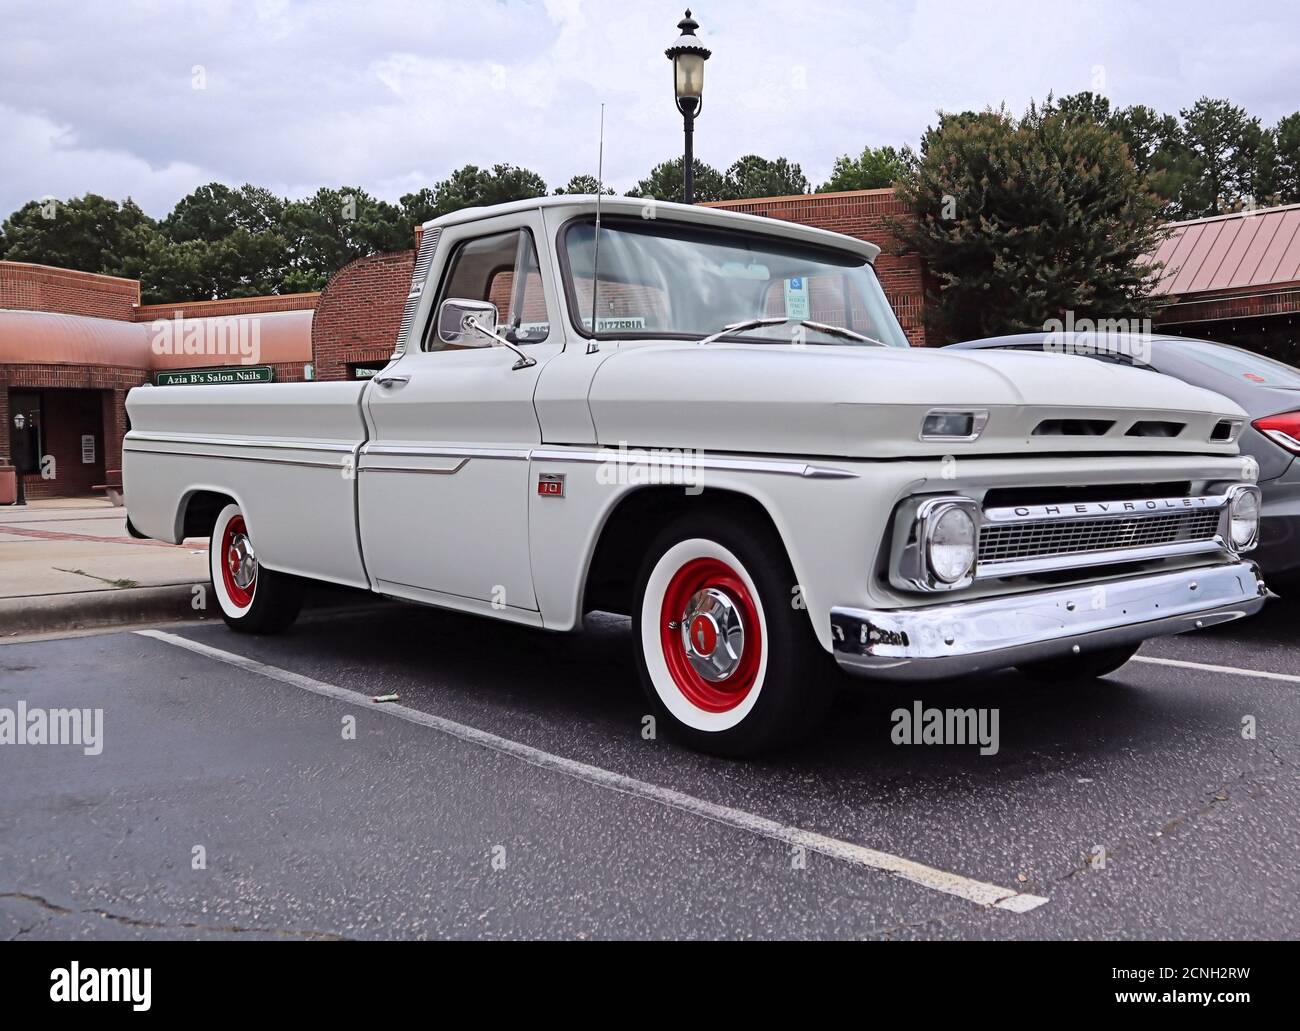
x=1283 y=430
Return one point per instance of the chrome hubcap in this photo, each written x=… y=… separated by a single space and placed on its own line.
x=241 y=561
x=713 y=634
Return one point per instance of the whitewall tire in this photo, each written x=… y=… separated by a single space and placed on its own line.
x=251 y=598
x=726 y=660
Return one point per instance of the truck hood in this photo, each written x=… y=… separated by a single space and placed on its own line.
x=869 y=402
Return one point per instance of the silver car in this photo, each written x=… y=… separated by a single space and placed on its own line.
x=1267 y=389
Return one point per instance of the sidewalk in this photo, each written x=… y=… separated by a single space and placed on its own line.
x=67 y=563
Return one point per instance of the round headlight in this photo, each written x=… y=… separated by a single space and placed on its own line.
x=951 y=547
x=1243 y=519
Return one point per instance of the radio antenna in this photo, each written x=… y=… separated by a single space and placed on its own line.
x=593 y=344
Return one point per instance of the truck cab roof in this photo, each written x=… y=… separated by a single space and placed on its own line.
x=568 y=206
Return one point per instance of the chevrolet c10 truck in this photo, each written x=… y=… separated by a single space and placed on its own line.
x=713 y=423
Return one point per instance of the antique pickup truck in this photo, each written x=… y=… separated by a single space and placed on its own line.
x=713 y=423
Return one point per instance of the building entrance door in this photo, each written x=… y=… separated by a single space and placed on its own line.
x=25 y=431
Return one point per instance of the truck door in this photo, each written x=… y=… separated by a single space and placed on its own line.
x=443 y=482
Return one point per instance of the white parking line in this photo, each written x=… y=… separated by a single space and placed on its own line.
x=918 y=873
x=1236 y=671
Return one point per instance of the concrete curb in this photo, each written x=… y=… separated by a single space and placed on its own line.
x=80 y=610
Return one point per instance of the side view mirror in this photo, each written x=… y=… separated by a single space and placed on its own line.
x=455 y=316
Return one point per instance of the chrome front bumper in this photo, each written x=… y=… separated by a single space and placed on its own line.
x=935 y=641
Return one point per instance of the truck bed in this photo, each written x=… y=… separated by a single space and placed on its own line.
x=286 y=452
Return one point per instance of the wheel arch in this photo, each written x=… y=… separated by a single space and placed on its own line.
x=197 y=511
x=609 y=579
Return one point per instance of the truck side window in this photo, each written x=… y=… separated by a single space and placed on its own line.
x=501 y=268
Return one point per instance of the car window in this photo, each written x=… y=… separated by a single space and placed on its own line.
x=1241 y=365
x=501 y=268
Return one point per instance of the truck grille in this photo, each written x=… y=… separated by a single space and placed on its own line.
x=1009 y=548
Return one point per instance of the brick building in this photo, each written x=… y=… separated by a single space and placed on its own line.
x=72 y=344
x=1235 y=278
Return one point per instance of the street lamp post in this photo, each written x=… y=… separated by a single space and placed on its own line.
x=688 y=55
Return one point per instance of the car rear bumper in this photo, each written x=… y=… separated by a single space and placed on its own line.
x=936 y=641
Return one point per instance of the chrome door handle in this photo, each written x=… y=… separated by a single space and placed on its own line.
x=391 y=380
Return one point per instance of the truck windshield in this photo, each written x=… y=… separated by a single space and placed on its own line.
x=668 y=279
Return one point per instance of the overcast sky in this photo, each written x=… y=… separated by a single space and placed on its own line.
x=391 y=95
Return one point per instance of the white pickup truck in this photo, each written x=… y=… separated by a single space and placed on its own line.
x=713 y=423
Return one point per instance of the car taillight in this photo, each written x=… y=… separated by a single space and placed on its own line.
x=1283 y=430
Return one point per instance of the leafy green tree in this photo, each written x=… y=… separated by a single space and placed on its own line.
x=1161 y=156
x=1280 y=162
x=665 y=182
x=754 y=176
x=230 y=243
x=214 y=211
x=89 y=234
x=335 y=226
x=874 y=169
x=1086 y=105
x=1021 y=220
x=472 y=186
x=1225 y=143
x=583 y=184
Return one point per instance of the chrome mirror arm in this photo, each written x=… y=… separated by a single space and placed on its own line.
x=525 y=361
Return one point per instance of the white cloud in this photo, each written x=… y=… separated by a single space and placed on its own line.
x=394 y=94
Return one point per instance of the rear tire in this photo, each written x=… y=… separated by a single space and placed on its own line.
x=252 y=599
x=729 y=664
x=1077 y=668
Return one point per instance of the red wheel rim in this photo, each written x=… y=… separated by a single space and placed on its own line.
x=234 y=538
x=696 y=576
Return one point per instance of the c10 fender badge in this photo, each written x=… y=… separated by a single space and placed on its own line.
x=550 y=485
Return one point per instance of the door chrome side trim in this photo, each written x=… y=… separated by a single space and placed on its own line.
x=398 y=450
x=271 y=459
x=375 y=468
x=238 y=442
x=649 y=457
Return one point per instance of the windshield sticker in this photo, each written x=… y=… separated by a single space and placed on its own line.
x=796 y=299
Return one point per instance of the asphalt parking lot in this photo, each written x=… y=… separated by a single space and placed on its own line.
x=510 y=792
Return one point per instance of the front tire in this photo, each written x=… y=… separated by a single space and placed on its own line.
x=252 y=599
x=1077 y=668
x=728 y=662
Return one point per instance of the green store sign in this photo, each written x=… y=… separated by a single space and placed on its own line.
x=229 y=374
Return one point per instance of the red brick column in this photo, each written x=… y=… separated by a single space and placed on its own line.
x=5 y=456
x=360 y=312
x=114 y=406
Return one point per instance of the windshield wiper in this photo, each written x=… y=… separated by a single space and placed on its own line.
x=778 y=320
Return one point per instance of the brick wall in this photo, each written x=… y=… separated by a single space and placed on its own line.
x=25 y=287
x=864 y=214
x=230 y=306
x=359 y=313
